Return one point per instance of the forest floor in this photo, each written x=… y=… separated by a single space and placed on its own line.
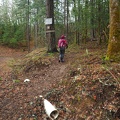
x=84 y=87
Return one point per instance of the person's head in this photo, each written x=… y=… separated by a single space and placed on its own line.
x=62 y=37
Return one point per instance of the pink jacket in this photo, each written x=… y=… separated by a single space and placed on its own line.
x=62 y=43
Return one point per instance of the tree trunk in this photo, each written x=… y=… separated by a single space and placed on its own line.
x=113 y=51
x=99 y=22
x=36 y=30
x=86 y=21
x=67 y=19
x=77 y=20
x=36 y=35
x=74 y=1
x=78 y=30
x=50 y=30
x=65 y=16
x=28 y=27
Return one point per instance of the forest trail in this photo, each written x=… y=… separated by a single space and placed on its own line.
x=15 y=94
x=7 y=55
x=76 y=87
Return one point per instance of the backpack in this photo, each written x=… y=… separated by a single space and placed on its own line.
x=62 y=44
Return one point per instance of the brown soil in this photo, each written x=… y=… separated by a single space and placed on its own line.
x=16 y=95
x=75 y=87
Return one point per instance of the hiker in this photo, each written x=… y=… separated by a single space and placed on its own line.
x=62 y=45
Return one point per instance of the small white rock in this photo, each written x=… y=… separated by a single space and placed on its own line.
x=26 y=80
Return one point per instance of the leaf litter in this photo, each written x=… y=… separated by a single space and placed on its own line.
x=82 y=88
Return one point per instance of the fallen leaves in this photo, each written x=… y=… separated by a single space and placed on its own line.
x=83 y=91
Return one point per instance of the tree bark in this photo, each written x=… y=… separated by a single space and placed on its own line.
x=113 y=51
x=28 y=28
x=50 y=30
x=67 y=19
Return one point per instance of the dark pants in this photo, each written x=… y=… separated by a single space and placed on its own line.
x=62 y=52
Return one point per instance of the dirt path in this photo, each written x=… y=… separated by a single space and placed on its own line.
x=45 y=78
x=81 y=94
x=16 y=96
x=6 y=56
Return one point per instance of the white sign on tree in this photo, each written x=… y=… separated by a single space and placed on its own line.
x=48 y=21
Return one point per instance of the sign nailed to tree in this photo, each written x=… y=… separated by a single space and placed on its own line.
x=48 y=21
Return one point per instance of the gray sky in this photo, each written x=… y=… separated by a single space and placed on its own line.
x=1 y=1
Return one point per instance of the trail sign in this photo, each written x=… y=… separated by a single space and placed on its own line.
x=48 y=21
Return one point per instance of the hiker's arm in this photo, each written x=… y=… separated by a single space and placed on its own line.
x=66 y=44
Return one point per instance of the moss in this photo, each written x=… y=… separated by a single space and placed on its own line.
x=115 y=57
x=113 y=51
x=78 y=98
x=33 y=60
x=16 y=81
